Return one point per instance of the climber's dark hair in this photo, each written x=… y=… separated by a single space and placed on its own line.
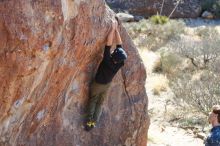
x=216 y=110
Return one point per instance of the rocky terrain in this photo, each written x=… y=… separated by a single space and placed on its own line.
x=146 y=8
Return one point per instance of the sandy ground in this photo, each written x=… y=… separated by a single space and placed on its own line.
x=161 y=132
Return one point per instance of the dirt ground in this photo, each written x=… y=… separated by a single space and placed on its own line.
x=161 y=131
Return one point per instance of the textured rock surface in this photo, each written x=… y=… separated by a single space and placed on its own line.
x=207 y=15
x=186 y=9
x=49 y=52
x=125 y=17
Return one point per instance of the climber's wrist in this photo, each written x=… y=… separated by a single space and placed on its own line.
x=118 y=46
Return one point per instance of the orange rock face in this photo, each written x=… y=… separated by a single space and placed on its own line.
x=49 y=54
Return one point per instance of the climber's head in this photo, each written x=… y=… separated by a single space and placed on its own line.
x=214 y=115
x=119 y=55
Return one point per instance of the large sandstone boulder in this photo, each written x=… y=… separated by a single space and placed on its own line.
x=49 y=53
x=146 y=8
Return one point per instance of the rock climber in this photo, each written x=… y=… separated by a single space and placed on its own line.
x=107 y=69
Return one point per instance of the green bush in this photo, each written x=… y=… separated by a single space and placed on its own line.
x=159 y=19
x=212 y=6
x=207 y=4
x=170 y=61
x=216 y=8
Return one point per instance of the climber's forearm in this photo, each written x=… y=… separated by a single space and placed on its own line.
x=110 y=37
x=118 y=37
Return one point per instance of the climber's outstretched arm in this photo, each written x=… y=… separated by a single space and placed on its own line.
x=118 y=37
x=109 y=43
x=111 y=35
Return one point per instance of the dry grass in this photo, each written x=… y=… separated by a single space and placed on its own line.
x=157 y=67
x=170 y=62
x=151 y=60
x=150 y=36
x=159 y=83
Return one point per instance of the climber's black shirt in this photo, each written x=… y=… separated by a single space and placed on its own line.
x=107 y=69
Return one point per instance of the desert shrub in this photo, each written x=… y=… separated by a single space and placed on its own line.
x=159 y=83
x=215 y=66
x=136 y=28
x=198 y=88
x=159 y=35
x=203 y=50
x=148 y=35
x=157 y=67
x=216 y=8
x=207 y=4
x=192 y=121
x=212 y=6
x=199 y=93
x=170 y=62
x=159 y=19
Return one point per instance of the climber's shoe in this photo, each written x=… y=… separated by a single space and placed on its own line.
x=90 y=125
